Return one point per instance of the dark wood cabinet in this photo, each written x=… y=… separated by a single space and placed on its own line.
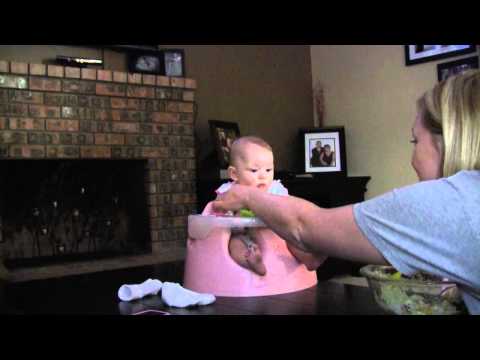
x=326 y=192
x=329 y=192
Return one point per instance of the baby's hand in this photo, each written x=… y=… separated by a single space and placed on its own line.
x=223 y=214
x=220 y=212
x=235 y=199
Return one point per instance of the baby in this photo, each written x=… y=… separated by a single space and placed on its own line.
x=251 y=164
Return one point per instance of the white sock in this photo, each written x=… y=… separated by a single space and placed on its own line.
x=139 y=291
x=175 y=295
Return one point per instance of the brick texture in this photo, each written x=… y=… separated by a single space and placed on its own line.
x=148 y=79
x=62 y=152
x=55 y=112
x=88 y=74
x=45 y=84
x=134 y=78
x=119 y=76
x=19 y=68
x=190 y=83
x=163 y=81
x=78 y=86
x=4 y=66
x=104 y=75
x=177 y=82
x=13 y=81
x=26 y=124
x=71 y=72
x=55 y=71
x=38 y=69
x=110 y=89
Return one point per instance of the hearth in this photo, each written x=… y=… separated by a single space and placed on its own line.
x=54 y=211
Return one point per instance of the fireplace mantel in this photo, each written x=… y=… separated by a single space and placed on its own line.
x=55 y=112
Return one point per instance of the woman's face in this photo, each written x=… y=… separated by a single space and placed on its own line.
x=427 y=159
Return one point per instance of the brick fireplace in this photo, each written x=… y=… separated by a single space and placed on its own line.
x=50 y=112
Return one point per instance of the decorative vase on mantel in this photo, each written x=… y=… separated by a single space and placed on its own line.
x=319 y=102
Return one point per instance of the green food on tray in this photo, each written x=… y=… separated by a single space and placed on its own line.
x=246 y=213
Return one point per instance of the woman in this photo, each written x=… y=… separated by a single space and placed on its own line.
x=432 y=226
x=328 y=156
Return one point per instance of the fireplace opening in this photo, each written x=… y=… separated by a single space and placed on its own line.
x=57 y=211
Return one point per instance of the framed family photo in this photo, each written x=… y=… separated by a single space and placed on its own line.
x=417 y=54
x=444 y=70
x=324 y=150
x=223 y=134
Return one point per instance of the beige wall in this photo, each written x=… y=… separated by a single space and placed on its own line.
x=370 y=91
x=266 y=89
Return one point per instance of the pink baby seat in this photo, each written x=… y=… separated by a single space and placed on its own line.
x=210 y=269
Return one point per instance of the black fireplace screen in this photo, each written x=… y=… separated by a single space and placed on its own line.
x=59 y=210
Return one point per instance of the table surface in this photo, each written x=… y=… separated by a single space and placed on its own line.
x=96 y=294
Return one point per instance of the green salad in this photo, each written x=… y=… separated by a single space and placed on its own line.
x=246 y=213
x=419 y=294
x=406 y=302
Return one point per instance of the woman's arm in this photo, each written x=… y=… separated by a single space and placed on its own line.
x=302 y=224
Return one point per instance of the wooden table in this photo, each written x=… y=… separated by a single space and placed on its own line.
x=96 y=294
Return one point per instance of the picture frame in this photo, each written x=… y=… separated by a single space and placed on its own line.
x=445 y=70
x=223 y=134
x=145 y=62
x=324 y=151
x=174 y=62
x=417 y=54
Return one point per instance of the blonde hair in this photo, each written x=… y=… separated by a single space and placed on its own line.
x=236 y=150
x=452 y=109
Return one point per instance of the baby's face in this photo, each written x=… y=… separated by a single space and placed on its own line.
x=255 y=168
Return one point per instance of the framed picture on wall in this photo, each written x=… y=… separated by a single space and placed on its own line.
x=445 y=70
x=145 y=62
x=174 y=60
x=324 y=150
x=223 y=134
x=169 y=62
x=417 y=54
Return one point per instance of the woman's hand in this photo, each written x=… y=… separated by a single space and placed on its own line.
x=234 y=199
